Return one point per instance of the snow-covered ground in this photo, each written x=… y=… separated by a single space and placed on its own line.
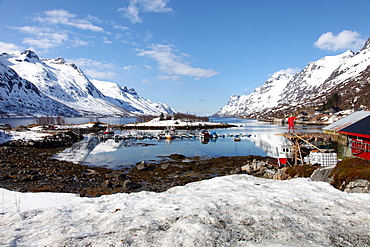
x=10 y=135
x=236 y=210
x=171 y=123
x=34 y=132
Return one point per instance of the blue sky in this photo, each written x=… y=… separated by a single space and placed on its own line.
x=190 y=54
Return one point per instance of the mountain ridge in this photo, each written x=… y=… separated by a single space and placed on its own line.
x=66 y=84
x=346 y=74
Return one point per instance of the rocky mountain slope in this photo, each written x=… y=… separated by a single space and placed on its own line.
x=54 y=87
x=345 y=76
x=130 y=100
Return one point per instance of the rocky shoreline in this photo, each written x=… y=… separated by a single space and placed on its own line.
x=33 y=169
x=29 y=166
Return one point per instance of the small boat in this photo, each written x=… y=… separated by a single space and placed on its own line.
x=109 y=131
x=204 y=140
x=214 y=134
x=237 y=139
x=204 y=133
x=169 y=135
x=285 y=155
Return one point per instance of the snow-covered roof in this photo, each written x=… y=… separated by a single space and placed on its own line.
x=347 y=121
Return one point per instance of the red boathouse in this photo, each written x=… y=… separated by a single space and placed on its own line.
x=357 y=128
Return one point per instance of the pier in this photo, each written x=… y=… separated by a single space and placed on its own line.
x=299 y=139
x=159 y=136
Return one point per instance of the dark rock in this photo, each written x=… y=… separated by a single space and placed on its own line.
x=236 y=171
x=36 y=177
x=358 y=186
x=25 y=178
x=177 y=156
x=121 y=176
x=4 y=177
x=130 y=186
x=107 y=184
x=142 y=166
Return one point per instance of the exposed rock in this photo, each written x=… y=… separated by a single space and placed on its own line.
x=236 y=171
x=4 y=177
x=177 y=156
x=130 y=186
x=259 y=165
x=247 y=168
x=358 y=186
x=322 y=174
x=281 y=175
x=268 y=175
x=142 y=166
x=107 y=184
x=121 y=176
x=165 y=165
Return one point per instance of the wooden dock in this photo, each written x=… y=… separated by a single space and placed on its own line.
x=298 y=139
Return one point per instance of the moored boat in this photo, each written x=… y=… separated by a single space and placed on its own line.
x=109 y=131
x=204 y=133
x=285 y=155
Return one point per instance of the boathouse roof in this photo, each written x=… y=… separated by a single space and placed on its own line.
x=351 y=122
x=360 y=128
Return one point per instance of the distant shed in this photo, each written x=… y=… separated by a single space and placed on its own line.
x=357 y=129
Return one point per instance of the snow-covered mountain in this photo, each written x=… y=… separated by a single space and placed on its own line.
x=347 y=74
x=263 y=97
x=20 y=97
x=65 y=84
x=130 y=100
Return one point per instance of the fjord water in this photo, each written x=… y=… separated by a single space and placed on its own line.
x=257 y=138
x=14 y=122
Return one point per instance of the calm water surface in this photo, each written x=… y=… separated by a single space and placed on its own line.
x=14 y=122
x=259 y=139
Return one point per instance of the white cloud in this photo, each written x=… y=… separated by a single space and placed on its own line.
x=92 y=73
x=107 y=41
x=63 y=17
x=39 y=43
x=145 y=81
x=290 y=71
x=136 y=6
x=85 y=62
x=166 y=77
x=94 y=69
x=131 y=13
x=45 y=38
x=77 y=42
x=173 y=64
x=8 y=47
x=123 y=28
x=128 y=67
x=343 y=41
x=52 y=31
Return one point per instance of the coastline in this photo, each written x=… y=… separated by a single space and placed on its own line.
x=30 y=169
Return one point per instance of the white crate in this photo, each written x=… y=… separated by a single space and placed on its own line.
x=324 y=159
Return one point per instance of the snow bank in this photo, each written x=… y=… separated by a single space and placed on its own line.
x=238 y=210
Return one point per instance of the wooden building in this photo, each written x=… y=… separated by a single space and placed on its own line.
x=356 y=128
